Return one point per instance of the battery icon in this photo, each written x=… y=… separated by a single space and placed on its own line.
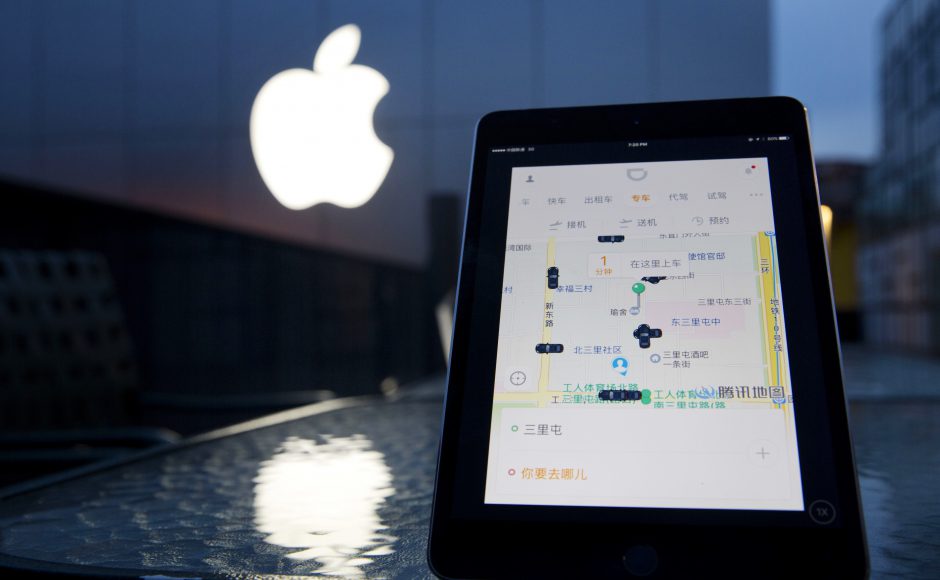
x=783 y=138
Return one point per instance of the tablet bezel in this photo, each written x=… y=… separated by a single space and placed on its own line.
x=462 y=545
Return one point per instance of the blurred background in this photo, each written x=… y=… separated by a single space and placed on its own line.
x=152 y=287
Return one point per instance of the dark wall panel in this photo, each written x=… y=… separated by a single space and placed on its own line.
x=212 y=311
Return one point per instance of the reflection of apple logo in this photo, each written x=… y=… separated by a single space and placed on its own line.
x=311 y=131
x=321 y=500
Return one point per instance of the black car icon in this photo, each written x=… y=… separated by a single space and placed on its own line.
x=653 y=279
x=644 y=333
x=619 y=395
x=553 y=277
x=548 y=348
x=610 y=239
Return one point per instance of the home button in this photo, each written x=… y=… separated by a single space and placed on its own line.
x=641 y=560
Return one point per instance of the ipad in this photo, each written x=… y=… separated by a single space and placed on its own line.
x=645 y=373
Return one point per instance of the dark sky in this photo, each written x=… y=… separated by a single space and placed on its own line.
x=825 y=53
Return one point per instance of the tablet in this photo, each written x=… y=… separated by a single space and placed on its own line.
x=645 y=374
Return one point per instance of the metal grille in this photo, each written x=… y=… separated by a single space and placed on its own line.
x=65 y=356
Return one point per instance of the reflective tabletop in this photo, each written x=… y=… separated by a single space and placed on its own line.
x=340 y=488
x=343 y=489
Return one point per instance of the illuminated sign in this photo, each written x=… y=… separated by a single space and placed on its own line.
x=311 y=130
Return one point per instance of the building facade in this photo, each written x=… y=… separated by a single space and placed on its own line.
x=841 y=184
x=148 y=103
x=899 y=255
x=124 y=131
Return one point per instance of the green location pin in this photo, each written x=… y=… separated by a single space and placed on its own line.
x=646 y=397
x=639 y=288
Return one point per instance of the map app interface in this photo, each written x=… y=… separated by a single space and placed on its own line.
x=642 y=354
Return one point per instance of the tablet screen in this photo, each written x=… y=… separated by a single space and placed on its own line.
x=642 y=352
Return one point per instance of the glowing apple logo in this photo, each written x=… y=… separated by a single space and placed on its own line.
x=311 y=131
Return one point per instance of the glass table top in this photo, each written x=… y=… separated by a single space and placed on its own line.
x=343 y=489
x=342 y=493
